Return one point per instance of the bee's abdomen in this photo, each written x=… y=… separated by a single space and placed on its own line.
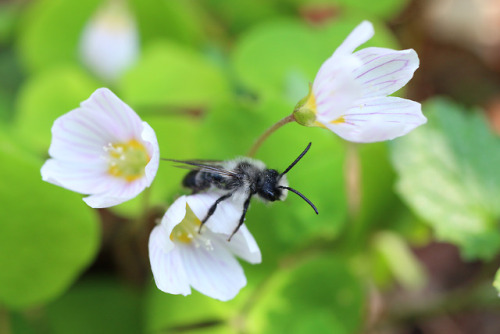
x=200 y=181
x=189 y=180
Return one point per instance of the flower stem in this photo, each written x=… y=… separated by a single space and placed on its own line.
x=352 y=174
x=251 y=153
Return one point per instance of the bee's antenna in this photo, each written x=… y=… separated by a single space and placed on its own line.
x=294 y=163
x=298 y=193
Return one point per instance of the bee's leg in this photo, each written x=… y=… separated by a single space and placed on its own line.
x=212 y=209
x=242 y=218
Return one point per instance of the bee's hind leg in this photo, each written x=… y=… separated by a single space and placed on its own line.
x=212 y=209
x=242 y=218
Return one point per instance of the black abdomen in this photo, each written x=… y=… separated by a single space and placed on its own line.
x=189 y=180
x=199 y=181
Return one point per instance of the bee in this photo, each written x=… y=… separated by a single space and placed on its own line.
x=239 y=179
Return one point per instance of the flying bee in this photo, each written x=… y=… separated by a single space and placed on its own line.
x=239 y=179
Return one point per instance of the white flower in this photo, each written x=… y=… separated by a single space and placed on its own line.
x=349 y=93
x=102 y=149
x=109 y=43
x=182 y=258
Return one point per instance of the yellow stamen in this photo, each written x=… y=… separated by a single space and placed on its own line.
x=127 y=160
x=339 y=120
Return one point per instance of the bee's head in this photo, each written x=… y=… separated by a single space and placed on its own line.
x=272 y=186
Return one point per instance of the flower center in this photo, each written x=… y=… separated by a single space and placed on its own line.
x=127 y=160
x=187 y=231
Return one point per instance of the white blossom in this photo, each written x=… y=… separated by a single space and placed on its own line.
x=109 y=44
x=102 y=149
x=349 y=95
x=182 y=258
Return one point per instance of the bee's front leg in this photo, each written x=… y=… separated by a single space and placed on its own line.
x=212 y=209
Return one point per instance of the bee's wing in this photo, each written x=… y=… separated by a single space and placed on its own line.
x=211 y=166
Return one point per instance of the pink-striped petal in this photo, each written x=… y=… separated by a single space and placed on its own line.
x=335 y=88
x=384 y=71
x=378 y=119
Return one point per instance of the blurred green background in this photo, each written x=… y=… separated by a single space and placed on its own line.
x=407 y=239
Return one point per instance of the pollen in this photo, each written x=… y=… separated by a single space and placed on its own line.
x=127 y=160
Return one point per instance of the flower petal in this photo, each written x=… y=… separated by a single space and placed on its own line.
x=166 y=264
x=118 y=192
x=335 y=88
x=362 y=33
x=225 y=218
x=174 y=215
x=379 y=119
x=384 y=71
x=214 y=272
x=149 y=137
x=80 y=135
x=82 y=178
x=126 y=124
x=244 y=246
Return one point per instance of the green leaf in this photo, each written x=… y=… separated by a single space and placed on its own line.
x=165 y=311
x=96 y=305
x=246 y=13
x=171 y=75
x=320 y=296
x=181 y=21
x=448 y=174
x=45 y=97
x=9 y=13
x=224 y=122
x=271 y=52
x=47 y=234
x=50 y=32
